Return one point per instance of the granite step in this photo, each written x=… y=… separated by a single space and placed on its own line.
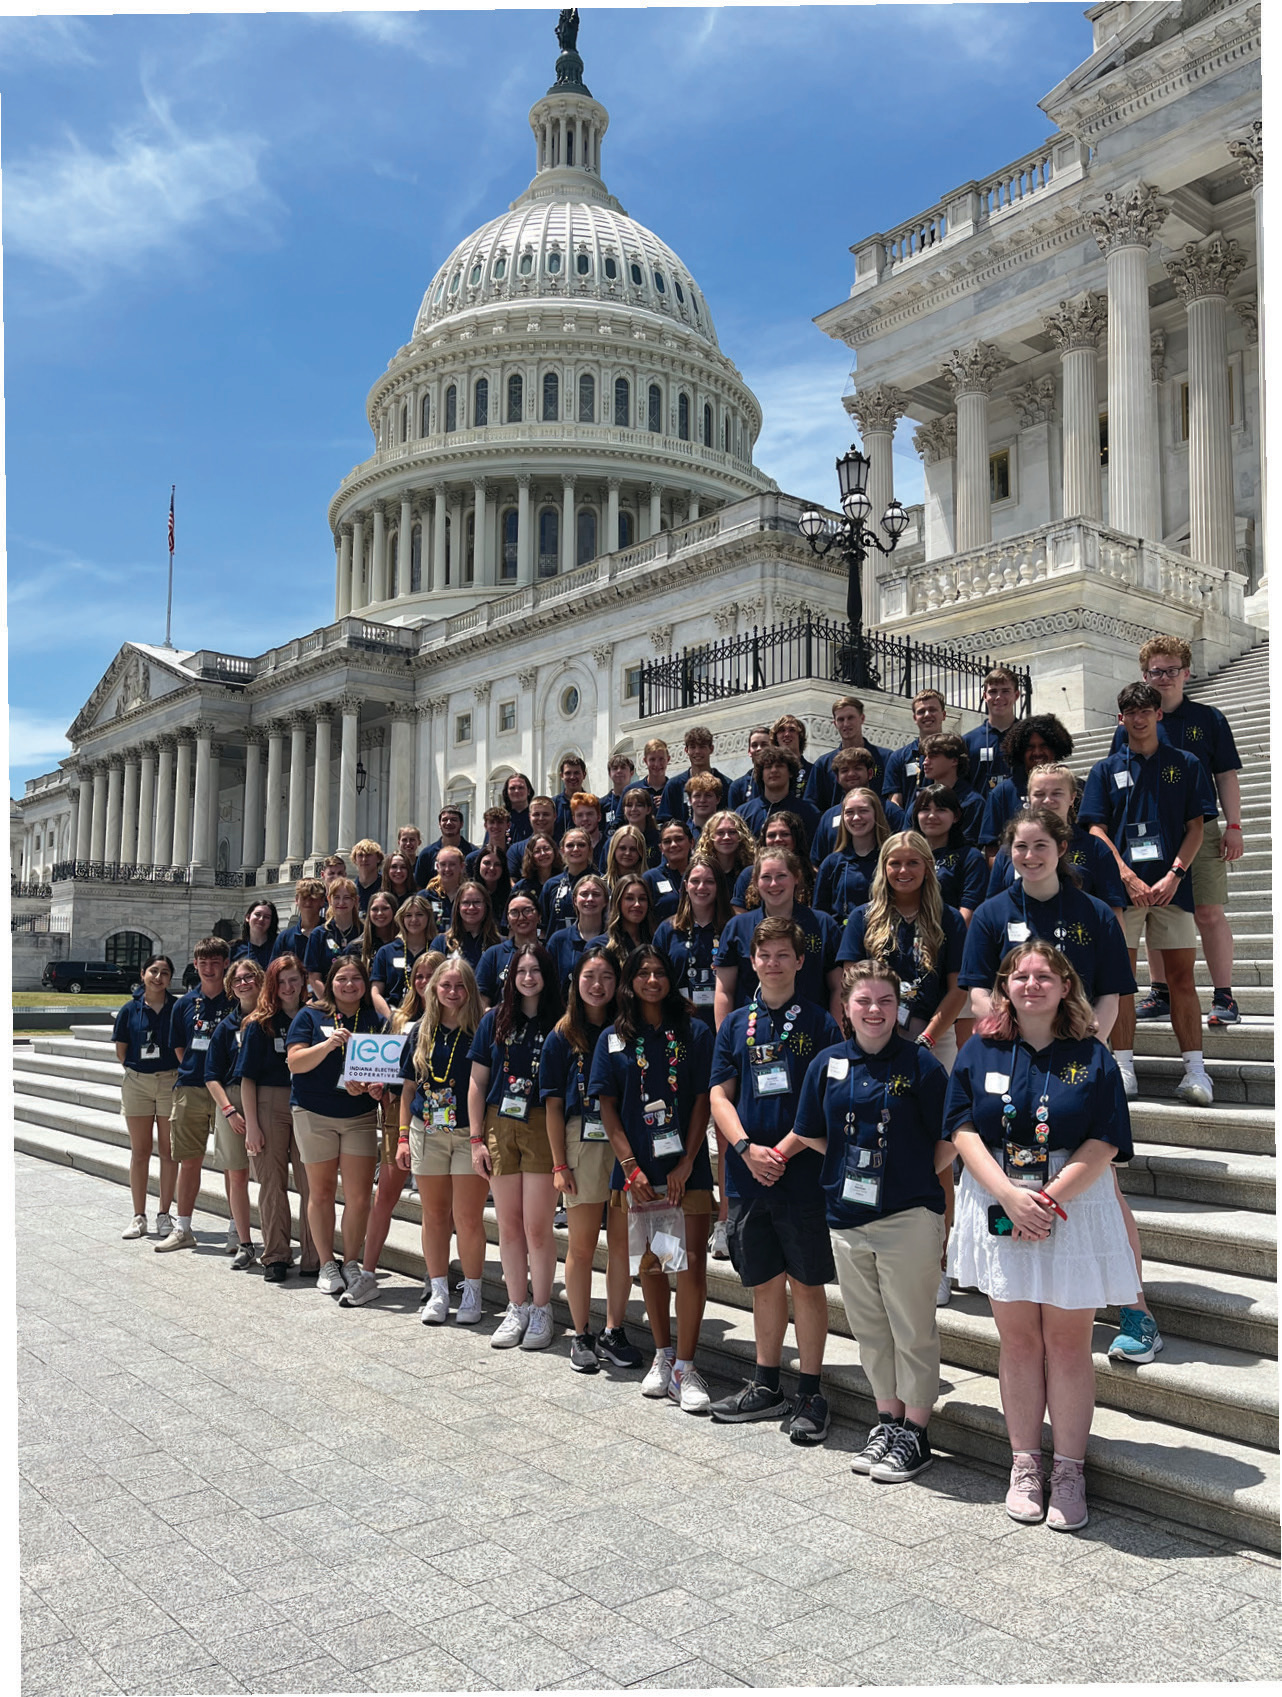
x=1251 y=1040
x=1249 y=1131
x=1247 y=1082
x=1211 y=1306
x=1202 y=1234
x=1201 y=1175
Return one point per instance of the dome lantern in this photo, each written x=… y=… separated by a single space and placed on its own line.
x=568 y=127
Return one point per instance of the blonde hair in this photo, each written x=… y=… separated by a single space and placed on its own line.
x=747 y=849
x=881 y=825
x=631 y=834
x=795 y=864
x=881 y=923
x=1074 y=1016
x=469 y=1018
x=367 y=845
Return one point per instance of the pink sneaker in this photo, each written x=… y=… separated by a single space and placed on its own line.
x=1067 y=1511
x=1025 y=1497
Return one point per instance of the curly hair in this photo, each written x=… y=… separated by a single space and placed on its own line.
x=881 y=921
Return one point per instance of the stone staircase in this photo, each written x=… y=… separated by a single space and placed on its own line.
x=1191 y=1437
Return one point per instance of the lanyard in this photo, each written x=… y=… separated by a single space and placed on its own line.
x=1060 y=931
x=643 y=1063
x=1041 y=1116
x=883 y=1119
x=695 y=935
x=755 y=1008
x=536 y=1049
x=443 y=1078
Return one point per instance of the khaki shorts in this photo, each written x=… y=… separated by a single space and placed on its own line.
x=692 y=1202
x=1210 y=874
x=229 y=1149
x=191 y=1122
x=1164 y=927
x=389 y=1129
x=147 y=1095
x=438 y=1152
x=591 y=1163
x=518 y=1146
x=321 y=1138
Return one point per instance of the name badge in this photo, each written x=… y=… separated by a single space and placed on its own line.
x=442 y=1117
x=834 y=821
x=150 y=1052
x=986 y=753
x=911 y=769
x=771 y=1079
x=838 y=1067
x=200 y=1043
x=514 y=1107
x=668 y=1143
x=1122 y=780
x=614 y=1044
x=333 y=945
x=1027 y=1169
x=663 y=886
x=593 y=1129
x=996 y=1083
x=863 y=1189
x=279 y=1045
x=704 y=997
x=1017 y=931
x=1140 y=846
x=904 y=1014
x=398 y=961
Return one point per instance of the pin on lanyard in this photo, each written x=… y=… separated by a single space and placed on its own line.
x=1041 y=1116
x=643 y=1061
x=883 y=1124
x=789 y=1020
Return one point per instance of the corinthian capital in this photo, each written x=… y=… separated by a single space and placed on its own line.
x=1035 y=401
x=1129 y=220
x=1209 y=269
x=1248 y=150
x=878 y=407
x=971 y=371
x=937 y=440
x=1077 y=323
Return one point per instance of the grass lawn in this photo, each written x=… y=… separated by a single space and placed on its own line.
x=50 y=999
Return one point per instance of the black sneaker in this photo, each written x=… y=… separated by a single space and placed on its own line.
x=559 y=1219
x=613 y=1346
x=583 y=1355
x=1154 y=1006
x=878 y=1447
x=810 y=1420
x=1224 y=1011
x=907 y=1456
x=275 y=1272
x=753 y=1402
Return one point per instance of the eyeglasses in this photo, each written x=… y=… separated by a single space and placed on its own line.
x=1163 y=673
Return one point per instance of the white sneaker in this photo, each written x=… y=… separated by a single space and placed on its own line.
x=138 y=1227
x=511 y=1328
x=164 y=1224
x=689 y=1392
x=360 y=1290
x=329 y=1281
x=944 y=1295
x=538 y=1334
x=1196 y=1088
x=177 y=1239
x=469 y=1309
x=1130 y=1084
x=233 y=1239
x=659 y=1377
x=436 y=1310
x=717 y=1245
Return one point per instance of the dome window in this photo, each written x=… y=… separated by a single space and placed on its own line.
x=680 y=292
x=586 y=539
x=707 y=426
x=481 y=402
x=549 y=536
x=622 y=403
x=554 y=264
x=451 y=408
x=655 y=409
x=587 y=398
x=500 y=270
x=570 y=698
x=455 y=280
x=635 y=271
x=405 y=422
x=474 y=275
x=683 y=417
x=440 y=290
x=426 y=422
x=583 y=265
x=659 y=283
x=611 y=270
x=515 y=397
x=510 y=533
x=527 y=264
x=625 y=530
x=551 y=397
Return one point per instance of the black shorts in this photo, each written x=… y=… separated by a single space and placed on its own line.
x=772 y=1234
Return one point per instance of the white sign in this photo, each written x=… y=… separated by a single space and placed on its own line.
x=374 y=1058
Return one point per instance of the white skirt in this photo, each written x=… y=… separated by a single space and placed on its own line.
x=1085 y=1263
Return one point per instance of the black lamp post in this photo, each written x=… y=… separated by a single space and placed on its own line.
x=854 y=536
x=360 y=776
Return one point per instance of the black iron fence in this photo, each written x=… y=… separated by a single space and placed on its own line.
x=18 y=888
x=815 y=648
x=116 y=872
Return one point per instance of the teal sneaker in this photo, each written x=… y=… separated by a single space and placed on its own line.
x=1138 y=1340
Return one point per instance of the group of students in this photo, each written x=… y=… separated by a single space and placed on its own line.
x=637 y=1009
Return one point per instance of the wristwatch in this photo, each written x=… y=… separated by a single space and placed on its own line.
x=742 y=1147
x=1178 y=870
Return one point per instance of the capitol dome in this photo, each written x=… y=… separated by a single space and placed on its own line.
x=562 y=396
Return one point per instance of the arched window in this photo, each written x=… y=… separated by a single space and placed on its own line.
x=586 y=540
x=622 y=402
x=625 y=530
x=549 y=541
x=514 y=398
x=683 y=417
x=425 y=417
x=707 y=426
x=481 y=402
x=659 y=283
x=451 y=408
x=587 y=398
x=450 y=564
x=474 y=275
x=634 y=271
x=551 y=397
x=416 y=562
x=655 y=410
x=526 y=264
x=405 y=422
x=611 y=269
x=500 y=269
x=509 y=533
x=128 y=948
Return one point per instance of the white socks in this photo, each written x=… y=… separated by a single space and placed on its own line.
x=681 y=1366
x=1125 y=1058
x=184 y=1222
x=440 y=1287
x=1193 y=1061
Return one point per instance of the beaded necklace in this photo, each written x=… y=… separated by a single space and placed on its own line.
x=643 y=1063
x=443 y=1078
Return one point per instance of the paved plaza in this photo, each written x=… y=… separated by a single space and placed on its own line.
x=229 y=1486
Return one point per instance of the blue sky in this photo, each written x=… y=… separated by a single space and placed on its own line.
x=217 y=230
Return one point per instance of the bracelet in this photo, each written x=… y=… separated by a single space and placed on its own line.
x=927 y=1039
x=1049 y=1200
x=776 y=1150
x=560 y=1169
x=404 y=1137
x=476 y=1140
x=632 y=1177
x=1232 y=827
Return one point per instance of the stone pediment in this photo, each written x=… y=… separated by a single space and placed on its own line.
x=137 y=675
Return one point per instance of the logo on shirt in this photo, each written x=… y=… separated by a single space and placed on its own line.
x=1171 y=775
x=1074 y=1073
x=1077 y=933
x=898 y=1085
x=812 y=943
x=802 y=1043
x=1193 y=733
x=1077 y=857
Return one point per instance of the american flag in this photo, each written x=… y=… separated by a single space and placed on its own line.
x=172 y=488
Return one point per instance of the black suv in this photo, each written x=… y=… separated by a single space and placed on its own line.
x=72 y=976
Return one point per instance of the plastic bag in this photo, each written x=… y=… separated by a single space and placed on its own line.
x=660 y=1228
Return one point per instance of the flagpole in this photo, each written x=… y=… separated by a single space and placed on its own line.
x=169 y=604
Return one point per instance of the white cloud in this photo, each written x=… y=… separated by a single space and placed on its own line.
x=85 y=212
x=402 y=31
x=36 y=740
x=804 y=424
x=47 y=41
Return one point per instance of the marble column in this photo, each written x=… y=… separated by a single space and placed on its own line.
x=129 y=812
x=1203 y=274
x=296 y=841
x=378 y=556
x=400 y=781
x=360 y=589
x=876 y=410
x=251 y=837
x=936 y=442
x=115 y=785
x=692 y=508
x=163 y=847
x=567 y=524
x=204 y=809
x=182 y=800
x=1248 y=150
x=271 y=804
x=613 y=485
x=969 y=373
x=84 y=820
x=350 y=708
x=457 y=552
x=343 y=602
x=524 y=534
x=75 y=828
x=1075 y=330
x=480 y=553
x=1125 y=227
x=320 y=791
x=438 y=537
x=146 y=805
x=405 y=546
x=656 y=508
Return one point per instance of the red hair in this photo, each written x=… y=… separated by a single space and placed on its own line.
x=268 y=1003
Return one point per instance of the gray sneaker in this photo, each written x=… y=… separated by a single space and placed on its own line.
x=329 y=1281
x=538 y=1334
x=244 y=1257
x=233 y=1239
x=177 y=1239
x=583 y=1355
x=164 y=1224
x=136 y=1228
x=511 y=1328
x=360 y=1290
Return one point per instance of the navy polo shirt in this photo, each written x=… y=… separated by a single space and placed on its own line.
x=193 y=1021
x=471 y=948
x=1087 y=856
x=843 y=1081
x=1197 y=728
x=845 y=880
x=767 y=1119
x=673 y=804
x=1085 y=1096
x=262 y=1052
x=1161 y=791
x=556 y=900
x=612 y=811
x=615 y=1073
x=564 y=814
x=392 y=967
x=320 y=1091
x=824 y=841
x=1004 y=802
x=327 y=942
x=450 y=1061
x=564 y=1072
x=691 y=953
x=491 y=974
x=425 y=865
x=665 y=889
x=821 y=786
x=515 y=1058
x=1080 y=926
x=758 y=812
x=963 y=876
x=988 y=765
x=260 y=952
x=142 y=1027
x=931 y=986
x=739 y=895
x=365 y=893
x=291 y=941
x=222 y=1063
x=518 y=825
x=821 y=934
x=741 y=789
x=565 y=948
x=903 y=772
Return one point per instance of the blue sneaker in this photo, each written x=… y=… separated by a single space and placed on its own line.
x=1138 y=1340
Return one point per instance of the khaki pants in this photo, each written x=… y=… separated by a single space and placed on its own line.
x=271 y=1173
x=888 y=1271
